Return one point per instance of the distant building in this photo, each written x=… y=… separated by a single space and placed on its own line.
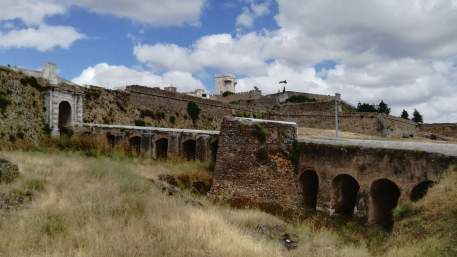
x=225 y=83
x=202 y=93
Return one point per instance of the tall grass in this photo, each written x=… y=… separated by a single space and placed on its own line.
x=99 y=206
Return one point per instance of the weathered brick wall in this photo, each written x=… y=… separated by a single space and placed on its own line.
x=253 y=166
x=405 y=168
x=445 y=129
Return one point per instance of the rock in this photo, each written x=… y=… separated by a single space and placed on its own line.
x=288 y=242
x=201 y=187
x=8 y=171
x=169 y=179
x=278 y=232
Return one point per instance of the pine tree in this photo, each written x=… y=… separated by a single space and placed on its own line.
x=417 y=117
x=405 y=115
x=383 y=108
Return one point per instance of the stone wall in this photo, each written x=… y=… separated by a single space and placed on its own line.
x=253 y=166
x=237 y=97
x=364 y=123
x=22 y=108
x=445 y=129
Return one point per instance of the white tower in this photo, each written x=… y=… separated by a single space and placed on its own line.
x=225 y=83
x=50 y=73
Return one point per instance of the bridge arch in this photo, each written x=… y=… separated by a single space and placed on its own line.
x=135 y=145
x=161 y=146
x=189 y=149
x=345 y=189
x=384 y=198
x=420 y=190
x=309 y=183
x=65 y=113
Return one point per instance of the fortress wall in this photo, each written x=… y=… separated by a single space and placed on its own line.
x=445 y=129
x=245 y=96
x=364 y=123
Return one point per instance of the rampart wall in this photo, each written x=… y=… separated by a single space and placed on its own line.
x=445 y=129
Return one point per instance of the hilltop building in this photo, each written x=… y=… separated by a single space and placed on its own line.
x=225 y=83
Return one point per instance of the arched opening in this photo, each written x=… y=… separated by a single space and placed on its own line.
x=384 y=195
x=111 y=139
x=420 y=190
x=135 y=145
x=309 y=182
x=345 y=189
x=162 y=148
x=214 y=146
x=189 y=149
x=64 y=115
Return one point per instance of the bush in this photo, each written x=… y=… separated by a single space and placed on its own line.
x=300 y=99
x=140 y=123
x=261 y=133
x=32 y=81
x=147 y=113
x=4 y=102
x=8 y=171
x=35 y=184
x=193 y=110
x=227 y=93
x=172 y=119
x=402 y=211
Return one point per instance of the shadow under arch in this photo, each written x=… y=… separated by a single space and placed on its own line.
x=309 y=183
x=344 y=194
x=384 y=198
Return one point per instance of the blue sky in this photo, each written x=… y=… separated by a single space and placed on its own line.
x=402 y=52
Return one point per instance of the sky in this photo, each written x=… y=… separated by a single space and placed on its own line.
x=402 y=52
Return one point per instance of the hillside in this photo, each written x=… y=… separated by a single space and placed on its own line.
x=80 y=206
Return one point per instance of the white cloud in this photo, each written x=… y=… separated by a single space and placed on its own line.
x=31 y=12
x=112 y=76
x=42 y=38
x=252 y=12
x=153 y=12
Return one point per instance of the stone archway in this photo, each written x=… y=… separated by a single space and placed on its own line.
x=384 y=198
x=64 y=115
x=420 y=190
x=135 y=145
x=309 y=182
x=161 y=146
x=344 y=194
x=189 y=149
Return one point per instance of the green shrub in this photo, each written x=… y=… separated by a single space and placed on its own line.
x=227 y=93
x=193 y=110
x=261 y=133
x=32 y=81
x=140 y=123
x=160 y=115
x=147 y=113
x=402 y=211
x=172 y=119
x=52 y=225
x=4 y=102
x=300 y=99
x=35 y=184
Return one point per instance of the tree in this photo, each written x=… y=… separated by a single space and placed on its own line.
x=193 y=110
x=417 y=117
x=383 y=108
x=405 y=115
x=366 y=107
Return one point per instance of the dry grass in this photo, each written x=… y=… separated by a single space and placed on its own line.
x=105 y=207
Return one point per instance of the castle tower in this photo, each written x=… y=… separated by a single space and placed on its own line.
x=225 y=83
x=50 y=73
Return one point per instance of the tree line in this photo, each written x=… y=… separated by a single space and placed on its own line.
x=383 y=107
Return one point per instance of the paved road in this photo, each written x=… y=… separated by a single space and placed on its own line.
x=446 y=149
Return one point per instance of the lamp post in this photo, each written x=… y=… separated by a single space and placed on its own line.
x=337 y=101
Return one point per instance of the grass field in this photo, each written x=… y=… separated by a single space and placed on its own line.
x=97 y=206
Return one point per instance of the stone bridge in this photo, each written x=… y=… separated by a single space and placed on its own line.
x=156 y=143
x=261 y=164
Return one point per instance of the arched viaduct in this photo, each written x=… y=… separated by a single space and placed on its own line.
x=261 y=164
x=156 y=143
